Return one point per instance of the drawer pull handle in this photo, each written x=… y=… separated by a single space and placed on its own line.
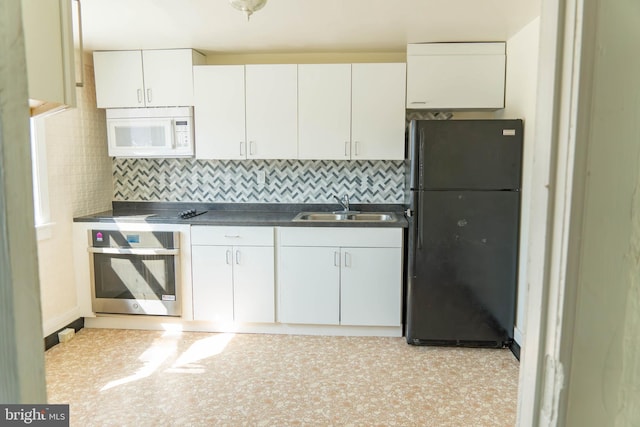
x=232 y=236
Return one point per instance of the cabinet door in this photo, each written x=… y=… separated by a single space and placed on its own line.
x=253 y=284
x=324 y=111
x=48 y=38
x=168 y=77
x=272 y=111
x=309 y=285
x=119 y=79
x=378 y=111
x=219 y=112
x=456 y=81
x=370 y=292
x=212 y=272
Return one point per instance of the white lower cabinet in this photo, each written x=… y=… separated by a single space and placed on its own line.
x=212 y=279
x=253 y=284
x=370 y=286
x=233 y=282
x=345 y=276
x=309 y=280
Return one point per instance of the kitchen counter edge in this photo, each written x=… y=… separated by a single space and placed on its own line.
x=238 y=214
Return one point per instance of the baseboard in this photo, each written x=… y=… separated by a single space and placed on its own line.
x=515 y=349
x=517 y=342
x=53 y=324
x=52 y=339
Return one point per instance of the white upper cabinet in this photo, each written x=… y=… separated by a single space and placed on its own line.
x=219 y=112
x=168 y=76
x=450 y=76
x=351 y=111
x=246 y=112
x=48 y=39
x=377 y=111
x=119 y=81
x=324 y=111
x=149 y=78
x=306 y=111
x=272 y=111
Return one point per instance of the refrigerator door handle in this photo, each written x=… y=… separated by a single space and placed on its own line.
x=420 y=215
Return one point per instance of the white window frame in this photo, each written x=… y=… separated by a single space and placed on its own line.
x=42 y=211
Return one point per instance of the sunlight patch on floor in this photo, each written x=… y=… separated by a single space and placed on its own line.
x=152 y=358
x=200 y=350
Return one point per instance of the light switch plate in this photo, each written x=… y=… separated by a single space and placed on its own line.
x=261 y=177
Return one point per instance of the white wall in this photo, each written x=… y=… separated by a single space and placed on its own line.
x=80 y=183
x=604 y=375
x=520 y=103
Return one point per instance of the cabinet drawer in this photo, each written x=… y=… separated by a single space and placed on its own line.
x=237 y=236
x=351 y=237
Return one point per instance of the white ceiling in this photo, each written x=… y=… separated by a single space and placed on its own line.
x=299 y=25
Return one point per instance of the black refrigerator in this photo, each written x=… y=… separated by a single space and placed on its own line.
x=464 y=198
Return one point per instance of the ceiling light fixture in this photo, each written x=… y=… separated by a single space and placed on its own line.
x=248 y=6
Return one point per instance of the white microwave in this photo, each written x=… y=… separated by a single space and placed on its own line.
x=150 y=132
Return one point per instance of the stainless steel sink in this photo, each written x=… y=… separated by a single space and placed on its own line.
x=346 y=217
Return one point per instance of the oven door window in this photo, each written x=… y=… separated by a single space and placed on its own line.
x=148 y=277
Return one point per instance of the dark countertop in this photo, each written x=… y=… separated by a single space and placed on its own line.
x=239 y=214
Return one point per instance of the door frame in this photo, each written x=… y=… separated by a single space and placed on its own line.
x=563 y=104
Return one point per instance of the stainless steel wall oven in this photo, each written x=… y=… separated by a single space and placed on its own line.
x=135 y=272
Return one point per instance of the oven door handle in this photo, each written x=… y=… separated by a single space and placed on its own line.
x=134 y=251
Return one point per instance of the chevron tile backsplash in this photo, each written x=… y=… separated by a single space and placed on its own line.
x=287 y=181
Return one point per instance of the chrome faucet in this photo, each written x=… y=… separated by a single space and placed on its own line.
x=344 y=202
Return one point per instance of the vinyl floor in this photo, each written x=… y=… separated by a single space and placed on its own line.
x=150 y=378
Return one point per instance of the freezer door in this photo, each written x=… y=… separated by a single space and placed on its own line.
x=463 y=287
x=470 y=154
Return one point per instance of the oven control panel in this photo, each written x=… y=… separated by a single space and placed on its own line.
x=134 y=239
